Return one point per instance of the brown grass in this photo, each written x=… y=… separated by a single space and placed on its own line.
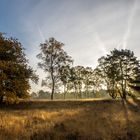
x=71 y=120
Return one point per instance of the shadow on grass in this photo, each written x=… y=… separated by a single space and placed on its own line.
x=97 y=120
x=57 y=104
x=91 y=124
x=133 y=104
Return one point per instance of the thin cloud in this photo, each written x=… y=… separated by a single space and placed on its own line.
x=129 y=25
x=89 y=29
x=101 y=44
x=41 y=33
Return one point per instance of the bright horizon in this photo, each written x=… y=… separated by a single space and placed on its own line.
x=89 y=29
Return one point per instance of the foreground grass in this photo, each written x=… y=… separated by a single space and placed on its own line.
x=71 y=120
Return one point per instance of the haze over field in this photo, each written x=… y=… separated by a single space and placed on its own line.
x=89 y=29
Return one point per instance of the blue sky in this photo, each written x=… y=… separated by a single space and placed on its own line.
x=88 y=28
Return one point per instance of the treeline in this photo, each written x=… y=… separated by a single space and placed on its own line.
x=41 y=94
x=117 y=74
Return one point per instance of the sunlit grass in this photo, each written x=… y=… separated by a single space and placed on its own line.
x=89 y=119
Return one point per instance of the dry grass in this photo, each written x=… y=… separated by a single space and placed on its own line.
x=71 y=120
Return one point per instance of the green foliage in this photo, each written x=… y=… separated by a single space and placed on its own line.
x=118 y=70
x=43 y=95
x=53 y=58
x=80 y=81
x=14 y=71
x=34 y=95
x=134 y=86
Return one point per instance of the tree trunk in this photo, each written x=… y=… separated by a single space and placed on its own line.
x=64 y=91
x=124 y=96
x=53 y=84
x=1 y=99
x=87 y=91
x=52 y=94
x=52 y=90
x=52 y=76
x=125 y=84
x=80 y=93
x=122 y=82
x=75 y=91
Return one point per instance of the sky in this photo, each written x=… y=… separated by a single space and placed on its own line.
x=88 y=28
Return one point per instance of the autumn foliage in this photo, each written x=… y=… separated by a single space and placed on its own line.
x=14 y=71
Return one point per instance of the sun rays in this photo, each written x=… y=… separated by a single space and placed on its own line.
x=101 y=45
x=129 y=24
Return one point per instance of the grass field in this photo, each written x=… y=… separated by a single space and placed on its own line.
x=71 y=120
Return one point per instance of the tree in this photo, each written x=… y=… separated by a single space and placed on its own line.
x=43 y=94
x=106 y=70
x=65 y=77
x=14 y=71
x=72 y=81
x=53 y=58
x=119 y=69
x=96 y=81
x=76 y=80
x=88 y=79
x=33 y=95
x=79 y=79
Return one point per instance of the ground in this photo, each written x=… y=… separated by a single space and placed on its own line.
x=71 y=120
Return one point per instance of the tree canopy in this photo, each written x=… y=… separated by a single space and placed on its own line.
x=119 y=70
x=53 y=59
x=14 y=71
x=117 y=73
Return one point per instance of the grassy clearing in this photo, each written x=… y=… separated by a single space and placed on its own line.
x=71 y=120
